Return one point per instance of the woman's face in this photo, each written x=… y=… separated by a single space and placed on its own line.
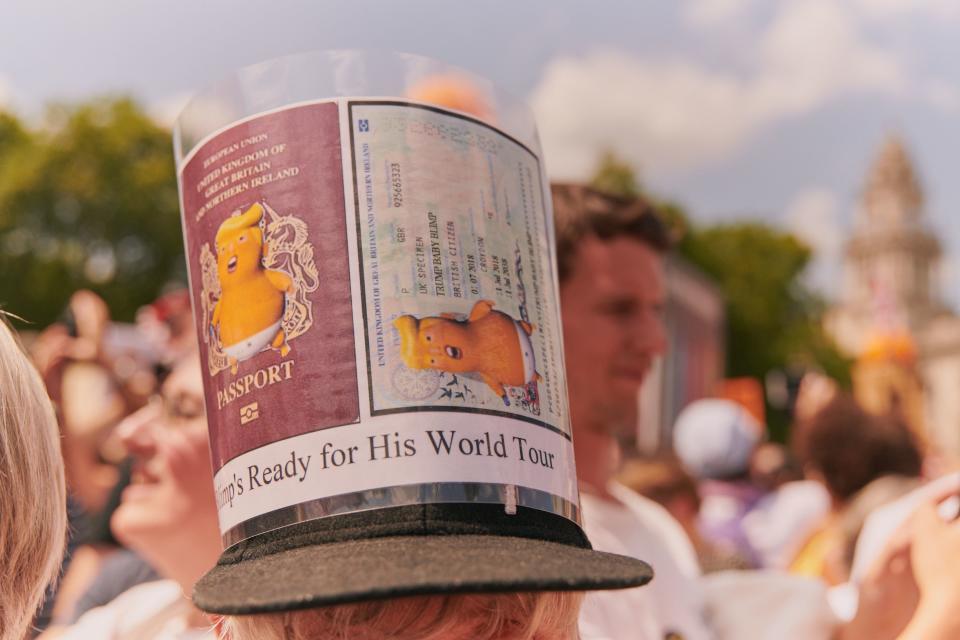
x=171 y=491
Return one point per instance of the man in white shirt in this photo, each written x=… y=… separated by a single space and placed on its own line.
x=612 y=293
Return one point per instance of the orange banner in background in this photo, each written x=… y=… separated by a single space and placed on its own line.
x=748 y=393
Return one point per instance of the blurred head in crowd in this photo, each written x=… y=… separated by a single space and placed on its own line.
x=86 y=319
x=612 y=293
x=168 y=513
x=773 y=465
x=167 y=325
x=71 y=357
x=814 y=393
x=508 y=616
x=33 y=518
x=715 y=438
x=846 y=448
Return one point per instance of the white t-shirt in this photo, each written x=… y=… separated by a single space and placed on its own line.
x=150 y=611
x=782 y=520
x=672 y=605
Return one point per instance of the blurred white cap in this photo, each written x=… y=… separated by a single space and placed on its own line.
x=714 y=438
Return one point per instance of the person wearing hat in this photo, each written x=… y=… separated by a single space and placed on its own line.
x=517 y=616
x=715 y=439
x=748 y=523
x=612 y=293
x=397 y=515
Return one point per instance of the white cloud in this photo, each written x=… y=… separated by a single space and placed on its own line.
x=668 y=114
x=813 y=51
x=714 y=13
x=813 y=215
x=677 y=114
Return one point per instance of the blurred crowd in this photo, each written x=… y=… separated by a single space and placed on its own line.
x=823 y=529
x=101 y=376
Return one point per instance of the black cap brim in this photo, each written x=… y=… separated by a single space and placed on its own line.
x=397 y=566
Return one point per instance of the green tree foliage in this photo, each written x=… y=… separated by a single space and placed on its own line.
x=12 y=134
x=87 y=201
x=773 y=321
x=615 y=175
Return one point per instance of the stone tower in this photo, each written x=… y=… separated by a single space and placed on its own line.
x=891 y=262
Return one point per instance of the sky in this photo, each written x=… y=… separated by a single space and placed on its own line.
x=759 y=109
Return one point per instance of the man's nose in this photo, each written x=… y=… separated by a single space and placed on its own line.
x=136 y=430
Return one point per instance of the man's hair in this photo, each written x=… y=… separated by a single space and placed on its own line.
x=33 y=503
x=506 y=616
x=850 y=447
x=580 y=212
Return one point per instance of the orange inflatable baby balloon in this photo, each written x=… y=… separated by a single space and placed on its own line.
x=453 y=91
x=247 y=317
x=489 y=343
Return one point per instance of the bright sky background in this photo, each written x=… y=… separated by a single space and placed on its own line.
x=768 y=109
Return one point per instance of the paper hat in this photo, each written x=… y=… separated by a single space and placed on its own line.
x=342 y=472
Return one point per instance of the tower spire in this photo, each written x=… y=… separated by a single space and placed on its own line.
x=892 y=195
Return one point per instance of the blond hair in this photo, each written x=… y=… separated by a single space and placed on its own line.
x=33 y=514
x=505 y=616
